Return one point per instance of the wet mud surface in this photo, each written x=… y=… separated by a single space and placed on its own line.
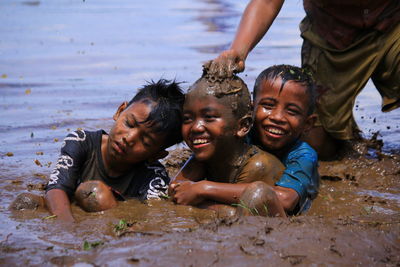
x=354 y=221
x=69 y=65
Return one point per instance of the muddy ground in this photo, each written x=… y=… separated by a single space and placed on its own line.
x=354 y=221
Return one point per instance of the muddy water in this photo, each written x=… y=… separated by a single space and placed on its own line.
x=68 y=65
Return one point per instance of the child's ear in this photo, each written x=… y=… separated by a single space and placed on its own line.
x=309 y=123
x=120 y=109
x=245 y=124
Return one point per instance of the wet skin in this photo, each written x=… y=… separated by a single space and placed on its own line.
x=281 y=116
x=216 y=136
x=95 y=196
x=131 y=140
x=280 y=119
x=208 y=127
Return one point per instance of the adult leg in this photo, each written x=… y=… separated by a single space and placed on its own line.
x=386 y=77
x=340 y=76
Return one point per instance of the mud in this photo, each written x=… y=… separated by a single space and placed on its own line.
x=231 y=91
x=95 y=196
x=354 y=221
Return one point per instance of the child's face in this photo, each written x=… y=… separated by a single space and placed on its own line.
x=130 y=141
x=209 y=126
x=281 y=117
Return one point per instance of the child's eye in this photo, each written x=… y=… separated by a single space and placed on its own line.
x=186 y=119
x=146 y=144
x=210 y=117
x=129 y=124
x=146 y=141
x=293 y=112
x=267 y=105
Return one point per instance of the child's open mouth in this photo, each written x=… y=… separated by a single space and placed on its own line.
x=200 y=142
x=274 y=132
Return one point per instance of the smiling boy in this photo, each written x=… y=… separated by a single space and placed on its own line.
x=123 y=162
x=284 y=98
x=224 y=169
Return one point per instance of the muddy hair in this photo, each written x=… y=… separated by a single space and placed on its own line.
x=233 y=88
x=288 y=73
x=166 y=115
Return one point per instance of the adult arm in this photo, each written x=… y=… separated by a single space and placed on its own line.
x=255 y=22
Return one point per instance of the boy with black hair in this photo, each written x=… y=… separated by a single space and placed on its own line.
x=224 y=168
x=284 y=99
x=124 y=162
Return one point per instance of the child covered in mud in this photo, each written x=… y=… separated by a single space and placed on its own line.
x=224 y=168
x=284 y=100
x=97 y=167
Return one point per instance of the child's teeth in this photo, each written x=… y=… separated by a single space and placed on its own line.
x=275 y=131
x=200 y=141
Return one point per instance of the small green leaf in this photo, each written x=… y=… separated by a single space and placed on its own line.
x=89 y=245
x=50 y=217
x=164 y=196
x=122 y=225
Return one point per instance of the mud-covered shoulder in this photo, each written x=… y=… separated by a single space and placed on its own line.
x=262 y=166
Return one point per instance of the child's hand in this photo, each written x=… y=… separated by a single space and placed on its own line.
x=226 y=64
x=187 y=193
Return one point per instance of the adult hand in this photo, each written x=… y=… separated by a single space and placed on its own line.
x=187 y=193
x=226 y=64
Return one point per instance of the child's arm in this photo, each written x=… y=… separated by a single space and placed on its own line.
x=300 y=179
x=287 y=197
x=58 y=204
x=188 y=187
x=64 y=178
x=193 y=193
x=192 y=170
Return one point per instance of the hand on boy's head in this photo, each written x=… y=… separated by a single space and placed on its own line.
x=226 y=64
x=186 y=193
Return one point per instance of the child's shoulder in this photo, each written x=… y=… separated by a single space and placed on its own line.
x=82 y=140
x=261 y=164
x=302 y=149
x=81 y=135
x=263 y=157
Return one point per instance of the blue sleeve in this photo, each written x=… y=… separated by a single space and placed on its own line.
x=301 y=175
x=66 y=174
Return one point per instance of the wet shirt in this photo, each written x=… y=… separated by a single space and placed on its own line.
x=301 y=174
x=340 y=22
x=81 y=160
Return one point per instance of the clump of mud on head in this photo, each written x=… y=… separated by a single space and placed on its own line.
x=94 y=196
x=231 y=90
